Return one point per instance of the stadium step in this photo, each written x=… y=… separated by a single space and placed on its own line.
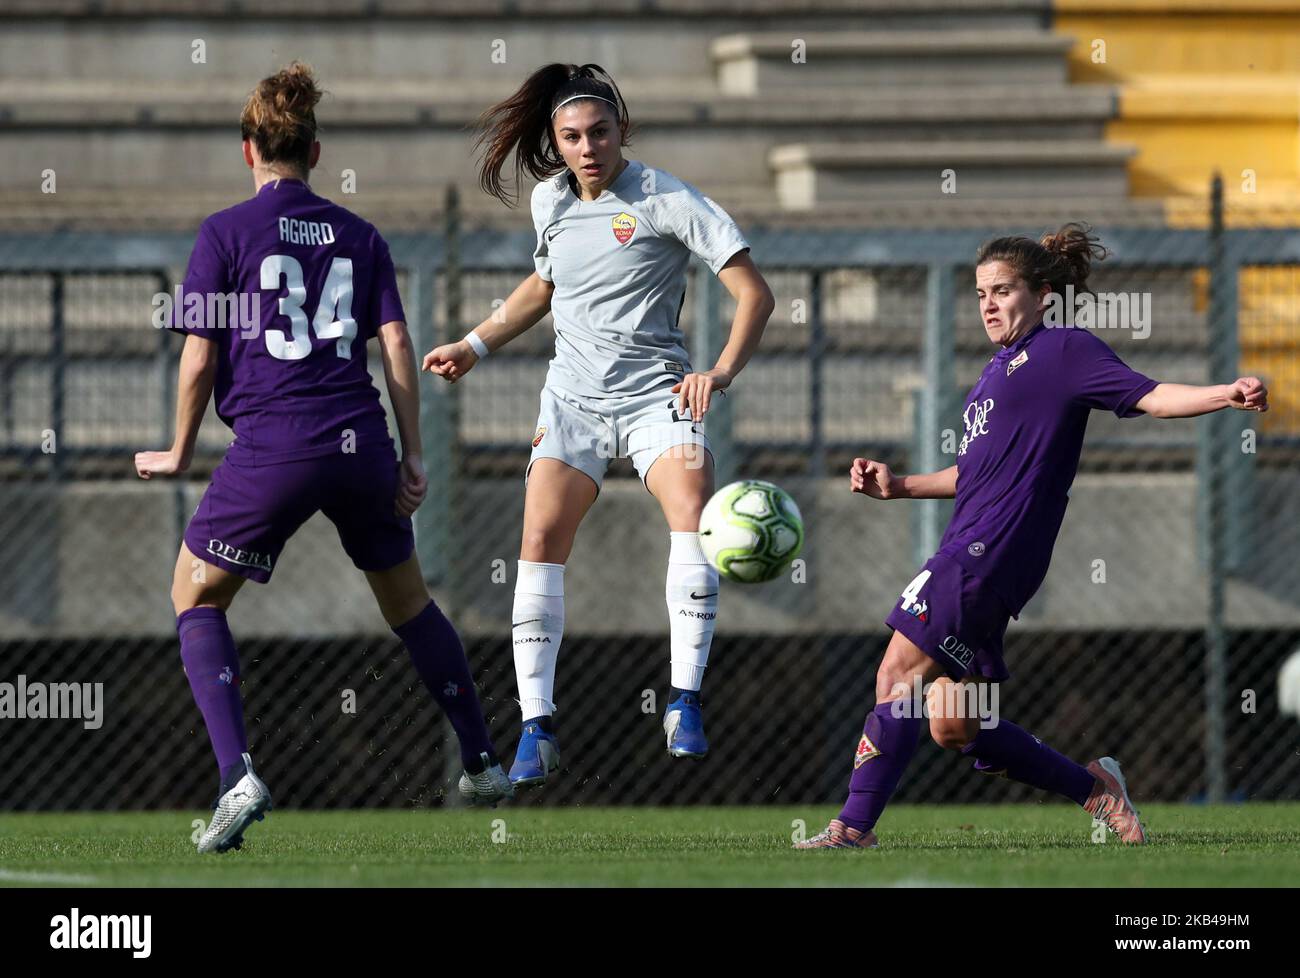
x=843 y=173
x=135 y=138
x=860 y=132
x=444 y=40
x=1030 y=11
x=420 y=207
x=750 y=64
x=413 y=101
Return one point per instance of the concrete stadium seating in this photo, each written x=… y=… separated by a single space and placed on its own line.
x=890 y=93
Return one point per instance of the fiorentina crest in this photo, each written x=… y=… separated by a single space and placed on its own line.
x=865 y=752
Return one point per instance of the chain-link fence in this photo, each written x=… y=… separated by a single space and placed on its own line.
x=1172 y=602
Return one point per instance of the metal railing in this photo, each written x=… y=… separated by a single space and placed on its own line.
x=868 y=353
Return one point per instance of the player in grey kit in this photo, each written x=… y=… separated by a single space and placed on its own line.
x=614 y=238
x=1024 y=426
x=310 y=434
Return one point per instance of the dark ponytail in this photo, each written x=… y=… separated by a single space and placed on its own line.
x=1060 y=258
x=522 y=123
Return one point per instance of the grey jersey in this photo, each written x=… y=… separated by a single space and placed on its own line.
x=619 y=268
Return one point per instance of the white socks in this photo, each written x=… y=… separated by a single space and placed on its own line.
x=538 y=622
x=692 y=593
x=538 y=625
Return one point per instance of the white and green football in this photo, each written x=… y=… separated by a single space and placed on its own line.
x=751 y=531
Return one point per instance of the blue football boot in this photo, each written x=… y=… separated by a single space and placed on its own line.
x=685 y=727
x=537 y=755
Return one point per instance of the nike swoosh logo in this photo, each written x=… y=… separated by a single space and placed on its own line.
x=528 y=622
x=701 y=597
x=552 y=237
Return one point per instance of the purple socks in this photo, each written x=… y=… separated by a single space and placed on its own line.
x=887 y=745
x=439 y=658
x=212 y=667
x=1007 y=749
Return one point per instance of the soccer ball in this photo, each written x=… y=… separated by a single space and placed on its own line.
x=750 y=531
x=1288 y=686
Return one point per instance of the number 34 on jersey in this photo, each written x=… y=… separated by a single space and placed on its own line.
x=333 y=319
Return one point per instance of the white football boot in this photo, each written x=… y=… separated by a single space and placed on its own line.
x=1110 y=804
x=247 y=802
x=487 y=787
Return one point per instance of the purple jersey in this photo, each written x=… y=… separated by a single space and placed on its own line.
x=1025 y=421
x=293 y=383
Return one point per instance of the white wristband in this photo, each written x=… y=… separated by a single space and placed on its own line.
x=477 y=345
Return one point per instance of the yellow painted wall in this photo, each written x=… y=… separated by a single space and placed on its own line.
x=1269 y=328
x=1268 y=336
x=1179 y=158
x=1206 y=86
x=1202 y=86
x=1182 y=41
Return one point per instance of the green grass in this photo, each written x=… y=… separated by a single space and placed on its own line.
x=968 y=845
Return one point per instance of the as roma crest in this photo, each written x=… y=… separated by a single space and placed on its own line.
x=865 y=752
x=537 y=438
x=624 y=227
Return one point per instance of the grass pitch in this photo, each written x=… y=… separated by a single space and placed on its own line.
x=960 y=845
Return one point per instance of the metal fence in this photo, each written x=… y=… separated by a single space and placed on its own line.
x=1172 y=602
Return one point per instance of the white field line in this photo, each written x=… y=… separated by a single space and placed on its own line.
x=32 y=876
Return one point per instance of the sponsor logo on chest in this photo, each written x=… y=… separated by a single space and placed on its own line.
x=976 y=418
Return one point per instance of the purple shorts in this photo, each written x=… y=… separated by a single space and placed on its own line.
x=955 y=618
x=249 y=512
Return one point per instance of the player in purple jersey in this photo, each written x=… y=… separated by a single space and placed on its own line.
x=310 y=434
x=1024 y=425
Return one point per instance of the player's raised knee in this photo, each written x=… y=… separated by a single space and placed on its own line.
x=950 y=733
x=895 y=681
x=898 y=677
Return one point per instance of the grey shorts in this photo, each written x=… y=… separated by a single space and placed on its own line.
x=587 y=432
